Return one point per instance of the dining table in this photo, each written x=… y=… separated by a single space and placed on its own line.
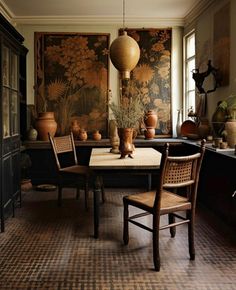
x=144 y=161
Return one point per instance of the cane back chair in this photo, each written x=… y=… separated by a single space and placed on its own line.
x=176 y=173
x=73 y=174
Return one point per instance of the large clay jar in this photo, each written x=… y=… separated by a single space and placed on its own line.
x=46 y=124
x=75 y=129
x=150 y=119
x=230 y=128
x=126 y=142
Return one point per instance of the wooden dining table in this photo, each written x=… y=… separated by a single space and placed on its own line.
x=145 y=161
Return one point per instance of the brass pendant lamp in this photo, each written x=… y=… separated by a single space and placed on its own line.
x=124 y=52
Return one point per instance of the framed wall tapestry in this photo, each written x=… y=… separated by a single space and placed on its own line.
x=72 y=79
x=151 y=78
x=221 y=43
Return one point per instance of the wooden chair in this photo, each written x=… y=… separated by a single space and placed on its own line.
x=176 y=172
x=73 y=174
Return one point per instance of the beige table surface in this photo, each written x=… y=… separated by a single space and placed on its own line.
x=143 y=158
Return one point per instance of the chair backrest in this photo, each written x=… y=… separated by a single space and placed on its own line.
x=63 y=144
x=180 y=171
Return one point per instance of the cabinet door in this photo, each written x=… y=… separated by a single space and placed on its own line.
x=7 y=182
x=15 y=173
x=10 y=93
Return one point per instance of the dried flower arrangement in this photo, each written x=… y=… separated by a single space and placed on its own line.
x=128 y=113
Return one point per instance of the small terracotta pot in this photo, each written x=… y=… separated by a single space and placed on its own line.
x=149 y=133
x=97 y=135
x=83 y=136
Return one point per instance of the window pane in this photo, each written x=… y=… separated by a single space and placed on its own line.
x=190 y=67
x=14 y=114
x=190 y=100
x=14 y=71
x=5 y=66
x=6 y=113
x=190 y=45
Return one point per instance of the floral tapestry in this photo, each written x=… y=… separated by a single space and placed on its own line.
x=151 y=78
x=72 y=79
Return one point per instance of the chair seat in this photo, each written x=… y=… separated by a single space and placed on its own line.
x=169 y=201
x=76 y=169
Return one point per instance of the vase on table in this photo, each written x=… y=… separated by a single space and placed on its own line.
x=126 y=146
x=114 y=137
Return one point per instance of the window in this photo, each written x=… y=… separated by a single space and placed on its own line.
x=189 y=65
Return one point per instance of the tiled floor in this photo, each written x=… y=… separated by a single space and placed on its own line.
x=46 y=247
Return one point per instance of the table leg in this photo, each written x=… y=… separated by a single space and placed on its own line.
x=149 y=181
x=96 y=207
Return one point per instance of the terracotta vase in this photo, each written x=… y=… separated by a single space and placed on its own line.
x=230 y=128
x=75 y=128
x=204 y=128
x=97 y=135
x=83 y=136
x=150 y=119
x=126 y=146
x=149 y=133
x=45 y=124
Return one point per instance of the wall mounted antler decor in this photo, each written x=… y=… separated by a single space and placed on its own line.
x=199 y=78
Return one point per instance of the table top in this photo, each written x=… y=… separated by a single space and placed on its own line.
x=143 y=158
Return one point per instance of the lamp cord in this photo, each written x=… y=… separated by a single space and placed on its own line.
x=123 y=15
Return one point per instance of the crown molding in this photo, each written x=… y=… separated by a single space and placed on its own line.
x=98 y=20
x=197 y=10
x=6 y=12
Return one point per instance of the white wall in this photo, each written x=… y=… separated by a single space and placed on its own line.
x=176 y=71
x=204 y=50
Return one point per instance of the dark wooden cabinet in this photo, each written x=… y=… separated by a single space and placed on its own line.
x=13 y=92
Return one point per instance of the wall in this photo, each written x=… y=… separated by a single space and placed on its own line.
x=176 y=75
x=203 y=26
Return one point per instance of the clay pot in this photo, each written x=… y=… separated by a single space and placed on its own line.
x=204 y=128
x=230 y=128
x=26 y=185
x=75 y=129
x=32 y=134
x=83 y=136
x=97 y=136
x=46 y=124
x=114 y=138
x=126 y=146
x=150 y=119
x=149 y=133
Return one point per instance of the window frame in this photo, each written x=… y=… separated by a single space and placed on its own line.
x=186 y=61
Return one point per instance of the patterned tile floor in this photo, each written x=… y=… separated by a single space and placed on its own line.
x=46 y=247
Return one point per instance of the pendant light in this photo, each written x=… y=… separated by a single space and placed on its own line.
x=124 y=52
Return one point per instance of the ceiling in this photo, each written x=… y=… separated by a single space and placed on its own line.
x=30 y=10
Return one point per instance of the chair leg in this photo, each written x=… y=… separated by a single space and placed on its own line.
x=86 y=193
x=155 y=241
x=77 y=193
x=191 y=236
x=103 y=190
x=59 y=195
x=171 y=218
x=126 y=223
